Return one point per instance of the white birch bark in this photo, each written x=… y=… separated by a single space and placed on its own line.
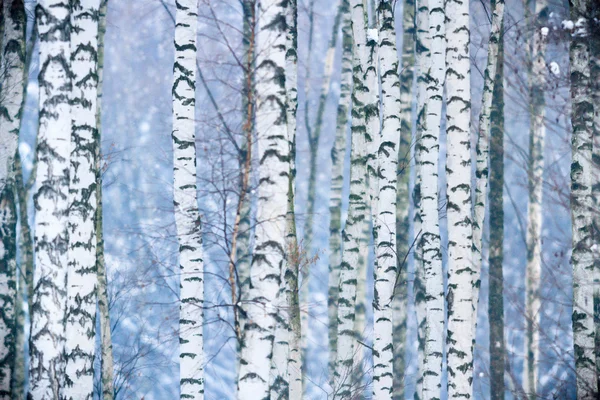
x=243 y=250
x=428 y=149
x=581 y=204
x=533 y=270
x=483 y=145
x=106 y=365
x=458 y=171
x=8 y=267
x=273 y=155
x=358 y=213
x=338 y=155
x=291 y=275
x=423 y=62
x=595 y=78
x=286 y=366
x=386 y=268
x=399 y=302
x=81 y=272
x=47 y=344
x=187 y=216
x=373 y=126
x=12 y=74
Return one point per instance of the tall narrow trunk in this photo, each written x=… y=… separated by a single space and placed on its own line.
x=428 y=148
x=372 y=122
x=243 y=251
x=400 y=300
x=423 y=62
x=47 y=343
x=496 y=257
x=458 y=174
x=25 y=281
x=187 y=216
x=386 y=268
x=103 y=306
x=12 y=74
x=273 y=155
x=286 y=366
x=581 y=203
x=8 y=285
x=338 y=156
x=595 y=78
x=483 y=145
x=358 y=213
x=81 y=273
x=291 y=275
x=534 y=208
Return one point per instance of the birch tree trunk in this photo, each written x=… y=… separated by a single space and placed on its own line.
x=386 y=268
x=103 y=306
x=595 y=78
x=47 y=344
x=353 y=246
x=534 y=207
x=496 y=256
x=400 y=299
x=81 y=274
x=269 y=254
x=483 y=145
x=338 y=156
x=373 y=126
x=291 y=274
x=12 y=74
x=8 y=267
x=286 y=366
x=581 y=203
x=187 y=216
x=428 y=149
x=25 y=279
x=243 y=251
x=458 y=171
x=423 y=63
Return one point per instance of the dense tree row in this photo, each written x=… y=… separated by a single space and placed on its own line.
x=413 y=190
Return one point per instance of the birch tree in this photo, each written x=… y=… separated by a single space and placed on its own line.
x=386 y=268
x=286 y=365
x=244 y=229
x=291 y=273
x=483 y=145
x=12 y=75
x=428 y=148
x=534 y=207
x=273 y=155
x=423 y=63
x=399 y=302
x=496 y=255
x=458 y=172
x=581 y=203
x=81 y=274
x=106 y=362
x=187 y=216
x=338 y=156
x=357 y=218
x=51 y=201
x=373 y=126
